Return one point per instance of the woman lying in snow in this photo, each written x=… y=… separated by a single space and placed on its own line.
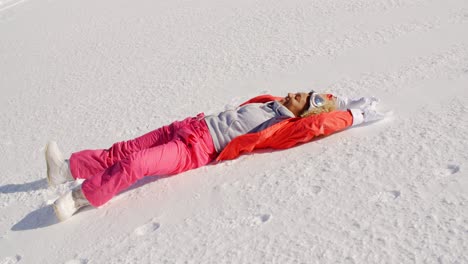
x=262 y=122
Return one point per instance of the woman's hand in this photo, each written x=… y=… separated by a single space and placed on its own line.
x=366 y=111
x=344 y=103
x=371 y=114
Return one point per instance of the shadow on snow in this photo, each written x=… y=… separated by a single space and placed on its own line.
x=39 y=218
x=25 y=187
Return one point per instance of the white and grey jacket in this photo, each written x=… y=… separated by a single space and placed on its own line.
x=249 y=118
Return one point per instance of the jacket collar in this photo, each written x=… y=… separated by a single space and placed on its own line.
x=280 y=109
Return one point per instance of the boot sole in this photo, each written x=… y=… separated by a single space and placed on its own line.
x=48 y=168
x=49 y=179
x=57 y=213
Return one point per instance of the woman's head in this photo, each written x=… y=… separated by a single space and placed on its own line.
x=307 y=104
x=324 y=103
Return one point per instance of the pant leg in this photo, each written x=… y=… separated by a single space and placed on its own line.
x=192 y=148
x=86 y=163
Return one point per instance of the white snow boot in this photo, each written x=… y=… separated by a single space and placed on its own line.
x=58 y=169
x=69 y=203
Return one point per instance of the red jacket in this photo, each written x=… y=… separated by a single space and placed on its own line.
x=287 y=133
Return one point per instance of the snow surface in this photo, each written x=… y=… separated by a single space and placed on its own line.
x=90 y=73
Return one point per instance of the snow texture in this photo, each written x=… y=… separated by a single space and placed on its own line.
x=90 y=73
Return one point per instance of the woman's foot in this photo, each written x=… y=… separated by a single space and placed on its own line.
x=69 y=203
x=58 y=170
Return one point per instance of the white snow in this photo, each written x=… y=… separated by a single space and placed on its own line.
x=90 y=73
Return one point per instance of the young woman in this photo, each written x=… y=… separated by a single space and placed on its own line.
x=262 y=122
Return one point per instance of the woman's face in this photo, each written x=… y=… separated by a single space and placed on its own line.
x=296 y=102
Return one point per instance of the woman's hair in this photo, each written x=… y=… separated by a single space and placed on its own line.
x=329 y=106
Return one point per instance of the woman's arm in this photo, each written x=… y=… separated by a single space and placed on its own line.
x=288 y=133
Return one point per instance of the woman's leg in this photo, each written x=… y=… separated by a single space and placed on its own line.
x=171 y=158
x=86 y=163
x=192 y=147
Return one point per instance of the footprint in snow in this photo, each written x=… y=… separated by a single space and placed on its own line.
x=448 y=171
x=452 y=168
x=146 y=228
x=261 y=219
x=316 y=189
x=386 y=196
x=11 y=260
x=393 y=194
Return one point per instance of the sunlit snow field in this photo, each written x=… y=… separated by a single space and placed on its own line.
x=90 y=73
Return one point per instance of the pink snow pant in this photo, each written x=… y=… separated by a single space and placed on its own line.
x=178 y=147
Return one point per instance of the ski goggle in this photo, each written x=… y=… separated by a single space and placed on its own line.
x=315 y=100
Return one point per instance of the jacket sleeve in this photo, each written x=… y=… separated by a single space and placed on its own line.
x=262 y=99
x=288 y=133
x=303 y=130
